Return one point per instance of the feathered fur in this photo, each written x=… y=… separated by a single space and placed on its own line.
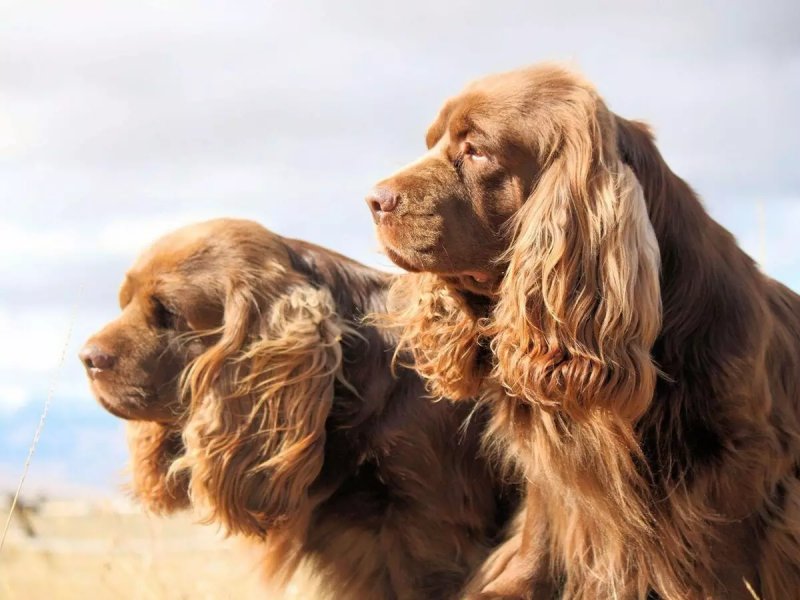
x=643 y=374
x=295 y=433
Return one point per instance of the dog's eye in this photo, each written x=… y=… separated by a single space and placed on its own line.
x=472 y=152
x=164 y=317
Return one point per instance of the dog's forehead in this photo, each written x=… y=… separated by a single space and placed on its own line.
x=203 y=249
x=485 y=101
x=526 y=79
x=512 y=91
x=169 y=255
x=502 y=106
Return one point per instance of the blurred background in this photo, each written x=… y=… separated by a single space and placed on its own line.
x=122 y=120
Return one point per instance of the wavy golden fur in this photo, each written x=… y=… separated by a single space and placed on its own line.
x=440 y=331
x=292 y=430
x=260 y=400
x=643 y=374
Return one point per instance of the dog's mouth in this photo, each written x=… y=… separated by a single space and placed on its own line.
x=121 y=408
x=473 y=281
x=399 y=260
x=133 y=403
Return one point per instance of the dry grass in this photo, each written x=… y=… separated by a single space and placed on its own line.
x=74 y=550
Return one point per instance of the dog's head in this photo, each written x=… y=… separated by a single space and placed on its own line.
x=222 y=337
x=523 y=198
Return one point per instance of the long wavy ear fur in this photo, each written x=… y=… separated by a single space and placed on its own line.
x=154 y=448
x=260 y=398
x=579 y=306
x=440 y=332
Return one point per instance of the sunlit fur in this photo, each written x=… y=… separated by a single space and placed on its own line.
x=440 y=332
x=644 y=373
x=294 y=432
x=256 y=435
x=153 y=448
x=578 y=311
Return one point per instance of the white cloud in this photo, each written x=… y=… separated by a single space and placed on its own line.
x=13 y=397
x=19 y=243
x=38 y=360
x=34 y=340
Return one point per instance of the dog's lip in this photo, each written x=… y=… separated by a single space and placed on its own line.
x=128 y=411
x=479 y=276
x=467 y=283
x=481 y=279
x=399 y=260
x=379 y=218
x=115 y=408
x=93 y=372
x=123 y=406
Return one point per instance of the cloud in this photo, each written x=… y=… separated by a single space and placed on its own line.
x=13 y=397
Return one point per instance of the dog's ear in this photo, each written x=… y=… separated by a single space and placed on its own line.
x=439 y=126
x=437 y=328
x=153 y=450
x=259 y=401
x=580 y=304
x=634 y=141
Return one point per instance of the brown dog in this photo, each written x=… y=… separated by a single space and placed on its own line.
x=254 y=389
x=643 y=375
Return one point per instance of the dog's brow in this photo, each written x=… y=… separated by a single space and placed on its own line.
x=466 y=124
x=460 y=128
x=126 y=291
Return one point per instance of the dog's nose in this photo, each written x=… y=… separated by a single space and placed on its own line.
x=382 y=199
x=93 y=357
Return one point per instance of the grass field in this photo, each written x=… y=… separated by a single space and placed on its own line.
x=77 y=550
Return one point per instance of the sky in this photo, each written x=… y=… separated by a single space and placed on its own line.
x=122 y=120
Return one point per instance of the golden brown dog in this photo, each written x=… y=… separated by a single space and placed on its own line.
x=643 y=374
x=255 y=392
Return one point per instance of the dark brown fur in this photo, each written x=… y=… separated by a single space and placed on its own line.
x=643 y=375
x=293 y=430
